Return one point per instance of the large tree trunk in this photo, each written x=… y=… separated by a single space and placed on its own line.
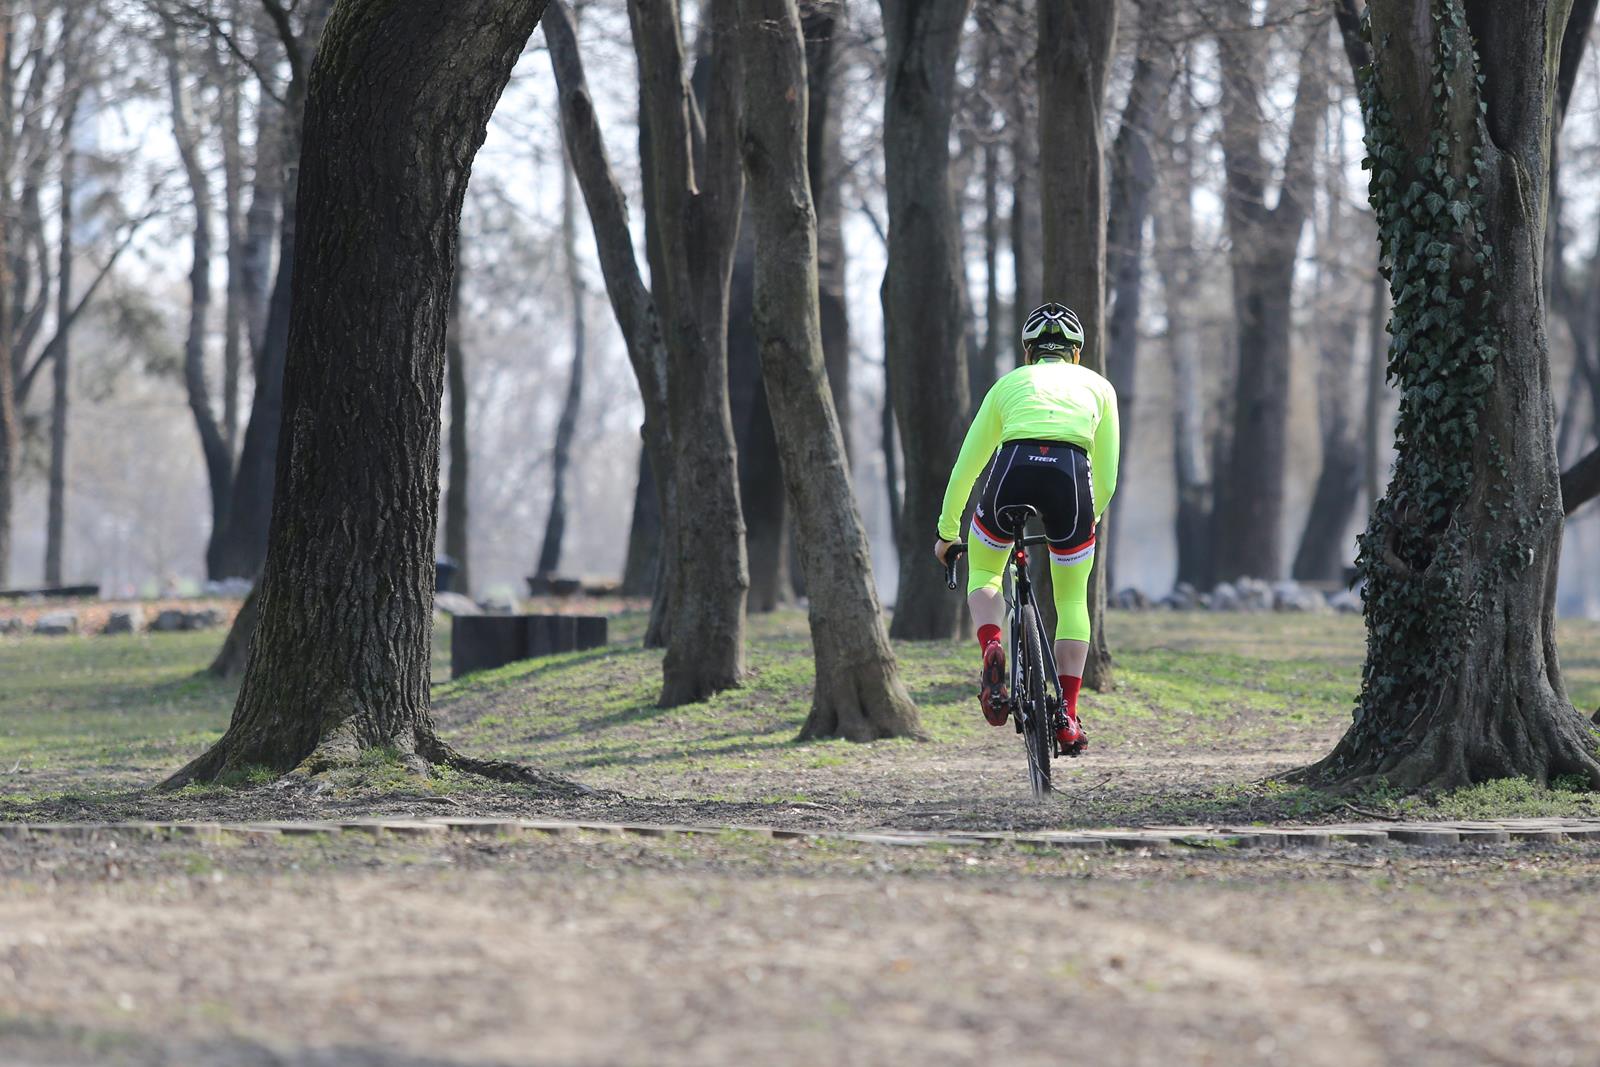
x=1249 y=512
x=1133 y=177
x=923 y=302
x=399 y=104
x=244 y=541
x=61 y=373
x=458 y=489
x=1076 y=38
x=1462 y=682
x=213 y=445
x=858 y=693
x=823 y=21
x=650 y=569
x=696 y=185
x=555 y=527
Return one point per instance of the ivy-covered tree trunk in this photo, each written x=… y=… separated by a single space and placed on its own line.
x=1461 y=682
x=398 y=105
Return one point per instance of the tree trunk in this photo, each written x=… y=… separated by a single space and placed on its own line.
x=1176 y=263
x=822 y=21
x=858 y=693
x=244 y=542
x=766 y=514
x=567 y=426
x=235 y=652
x=923 y=296
x=1027 y=232
x=236 y=309
x=1337 y=326
x=1076 y=38
x=1378 y=430
x=1263 y=243
x=1133 y=177
x=458 y=491
x=636 y=315
x=696 y=186
x=261 y=218
x=399 y=104
x=10 y=438
x=1462 y=683
x=644 y=533
x=213 y=445
x=61 y=357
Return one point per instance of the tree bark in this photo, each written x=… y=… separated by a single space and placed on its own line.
x=458 y=490
x=635 y=310
x=1462 y=682
x=696 y=185
x=555 y=527
x=244 y=542
x=398 y=106
x=213 y=445
x=923 y=301
x=1027 y=231
x=1263 y=241
x=858 y=693
x=1076 y=38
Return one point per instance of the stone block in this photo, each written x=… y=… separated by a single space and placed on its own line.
x=130 y=621
x=57 y=624
x=483 y=642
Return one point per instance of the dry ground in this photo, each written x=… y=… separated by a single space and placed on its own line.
x=605 y=951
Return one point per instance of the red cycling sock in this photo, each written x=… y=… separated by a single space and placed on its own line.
x=1069 y=692
x=988 y=634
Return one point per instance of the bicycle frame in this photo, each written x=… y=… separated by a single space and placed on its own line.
x=1017 y=596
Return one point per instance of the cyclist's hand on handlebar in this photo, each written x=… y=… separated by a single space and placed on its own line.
x=949 y=552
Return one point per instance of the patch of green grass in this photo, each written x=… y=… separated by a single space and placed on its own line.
x=1507 y=798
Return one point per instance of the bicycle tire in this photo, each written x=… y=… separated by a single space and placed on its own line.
x=1035 y=704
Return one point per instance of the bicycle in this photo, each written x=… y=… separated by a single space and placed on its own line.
x=1034 y=699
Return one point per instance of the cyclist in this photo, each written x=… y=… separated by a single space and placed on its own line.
x=1051 y=428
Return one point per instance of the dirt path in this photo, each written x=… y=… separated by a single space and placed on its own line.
x=589 y=950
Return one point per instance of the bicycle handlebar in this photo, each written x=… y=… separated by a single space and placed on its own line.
x=955 y=552
x=959 y=549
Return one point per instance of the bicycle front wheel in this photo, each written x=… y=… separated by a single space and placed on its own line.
x=1034 y=705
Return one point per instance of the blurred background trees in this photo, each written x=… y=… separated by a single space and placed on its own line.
x=149 y=157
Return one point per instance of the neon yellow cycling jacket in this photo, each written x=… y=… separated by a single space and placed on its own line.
x=1051 y=400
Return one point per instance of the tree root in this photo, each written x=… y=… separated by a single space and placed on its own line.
x=342 y=751
x=1539 y=744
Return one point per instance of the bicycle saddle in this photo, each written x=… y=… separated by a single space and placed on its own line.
x=1013 y=517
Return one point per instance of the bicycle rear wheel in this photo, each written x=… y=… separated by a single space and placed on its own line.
x=1034 y=703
